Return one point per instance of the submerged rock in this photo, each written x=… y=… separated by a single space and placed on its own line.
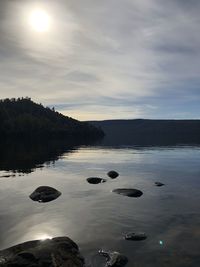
x=95 y=180
x=45 y=194
x=135 y=236
x=56 y=252
x=113 y=174
x=159 y=184
x=129 y=192
x=7 y=176
x=114 y=259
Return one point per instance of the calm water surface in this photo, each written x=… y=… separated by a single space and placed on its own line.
x=96 y=218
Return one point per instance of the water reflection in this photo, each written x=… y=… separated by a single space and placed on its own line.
x=25 y=156
x=96 y=218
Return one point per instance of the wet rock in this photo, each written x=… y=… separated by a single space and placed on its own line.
x=56 y=252
x=8 y=176
x=113 y=174
x=159 y=184
x=113 y=258
x=27 y=255
x=135 y=236
x=129 y=192
x=45 y=194
x=95 y=180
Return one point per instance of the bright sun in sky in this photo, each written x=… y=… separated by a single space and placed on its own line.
x=39 y=20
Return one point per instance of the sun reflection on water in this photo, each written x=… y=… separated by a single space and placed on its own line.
x=42 y=236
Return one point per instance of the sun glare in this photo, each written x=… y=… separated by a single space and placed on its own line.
x=43 y=236
x=39 y=20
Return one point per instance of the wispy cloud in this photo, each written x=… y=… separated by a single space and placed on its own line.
x=105 y=59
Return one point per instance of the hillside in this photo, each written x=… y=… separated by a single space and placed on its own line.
x=23 y=118
x=147 y=132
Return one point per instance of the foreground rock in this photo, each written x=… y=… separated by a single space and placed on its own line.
x=135 y=236
x=113 y=174
x=131 y=192
x=95 y=180
x=114 y=259
x=56 y=252
x=45 y=194
x=159 y=184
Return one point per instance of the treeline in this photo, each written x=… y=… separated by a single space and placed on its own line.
x=22 y=117
x=150 y=132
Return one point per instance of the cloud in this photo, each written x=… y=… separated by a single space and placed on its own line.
x=109 y=59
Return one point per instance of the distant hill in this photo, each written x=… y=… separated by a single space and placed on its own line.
x=23 y=118
x=150 y=132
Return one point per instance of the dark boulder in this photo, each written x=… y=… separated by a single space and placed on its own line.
x=113 y=174
x=159 y=184
x=95 y=180
x=113 y=258
x=129 y=192
x=45 y=194
x=59 y=251
x=135 y=236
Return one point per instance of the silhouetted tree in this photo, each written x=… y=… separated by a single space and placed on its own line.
x=23 y=117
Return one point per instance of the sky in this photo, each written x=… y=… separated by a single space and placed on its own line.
x=105 y=59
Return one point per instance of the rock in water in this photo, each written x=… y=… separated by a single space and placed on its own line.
x=131 y=192
x=56 y=252
x=45 y=194
x=95 y=180
x=135 y=236
x=159 y=184
x=114 y=259
x=113 y=174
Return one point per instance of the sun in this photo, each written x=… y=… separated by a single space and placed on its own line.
x=39 y=20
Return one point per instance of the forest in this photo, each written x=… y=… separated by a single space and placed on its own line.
x=149 y=132
x=22 y=117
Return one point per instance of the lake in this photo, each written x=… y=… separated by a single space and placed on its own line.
x=95 y=217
